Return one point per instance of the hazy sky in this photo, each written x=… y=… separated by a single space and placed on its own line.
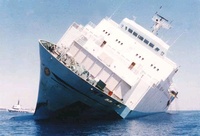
x=23 y=22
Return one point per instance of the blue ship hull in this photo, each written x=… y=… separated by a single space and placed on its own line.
x=63 y=94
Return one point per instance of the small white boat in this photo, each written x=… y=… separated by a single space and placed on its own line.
x=17 y=108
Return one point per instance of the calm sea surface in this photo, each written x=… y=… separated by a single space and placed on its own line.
x=166 y=124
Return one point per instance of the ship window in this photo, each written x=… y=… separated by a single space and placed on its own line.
x=104 y=42
x=135 y=34
x=151 y=45
x=130 y=30
x=162 y=53
x=132 y=65
x=140 y=37
x=157 y=49
x=126 y=28
x=146 y=41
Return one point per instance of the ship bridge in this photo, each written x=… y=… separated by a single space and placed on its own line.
x=145 y=37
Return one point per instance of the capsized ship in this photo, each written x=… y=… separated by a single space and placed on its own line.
x=106 y=70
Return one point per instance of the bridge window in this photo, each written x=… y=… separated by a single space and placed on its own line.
x=162 y=53
x=130 y=30
x=151 y=45
x=135 y=34
x=146 y=41
x=157 y=49
x=126 y=28
x=140 y=37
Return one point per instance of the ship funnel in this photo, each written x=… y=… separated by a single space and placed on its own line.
x=159 y=22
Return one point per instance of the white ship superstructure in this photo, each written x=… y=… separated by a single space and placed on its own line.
x=108 y=68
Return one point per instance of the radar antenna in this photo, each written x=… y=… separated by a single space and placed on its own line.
x=160 y=22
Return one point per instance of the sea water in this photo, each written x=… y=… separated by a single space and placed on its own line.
x=165 y=124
